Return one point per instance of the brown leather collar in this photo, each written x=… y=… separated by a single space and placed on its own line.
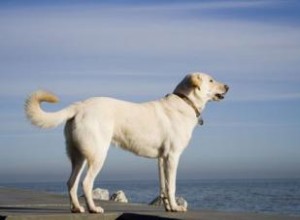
x=189 y=102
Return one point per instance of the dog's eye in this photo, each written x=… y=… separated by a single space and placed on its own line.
x=211 y=80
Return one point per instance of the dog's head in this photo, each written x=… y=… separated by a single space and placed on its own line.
x=200 y=88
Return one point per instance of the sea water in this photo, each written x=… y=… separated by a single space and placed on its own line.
x=277 y=196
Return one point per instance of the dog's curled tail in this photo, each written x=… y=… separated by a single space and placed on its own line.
x=44 y=119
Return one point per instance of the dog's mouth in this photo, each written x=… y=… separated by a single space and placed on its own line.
x=219 y=96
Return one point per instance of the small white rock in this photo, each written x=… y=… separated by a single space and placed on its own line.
x=100 y=194
x=182 y=202
x=119 y=196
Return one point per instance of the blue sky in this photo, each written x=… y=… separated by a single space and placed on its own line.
x=139 y=52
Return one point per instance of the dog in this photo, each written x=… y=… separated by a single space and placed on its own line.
x=158 y=129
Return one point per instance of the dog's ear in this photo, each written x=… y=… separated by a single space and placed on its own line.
x=194 y=81
x=190 y=82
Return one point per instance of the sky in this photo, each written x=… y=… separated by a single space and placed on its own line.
x=138 y=51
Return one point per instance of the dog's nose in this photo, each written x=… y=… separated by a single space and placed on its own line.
x=226 y=87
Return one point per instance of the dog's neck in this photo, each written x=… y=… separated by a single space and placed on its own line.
x=190 y=103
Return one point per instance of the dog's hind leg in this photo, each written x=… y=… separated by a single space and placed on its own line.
x=77 y=160
x=95 y=163
x=77 y=168
x=94 y=166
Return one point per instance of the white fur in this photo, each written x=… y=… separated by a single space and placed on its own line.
x=158 y=129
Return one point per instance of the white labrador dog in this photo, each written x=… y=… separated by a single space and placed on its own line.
x=157 y=129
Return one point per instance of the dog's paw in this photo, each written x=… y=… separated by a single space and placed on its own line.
x=166 y=204
x=79 y=209
x=97 y=209
x=178 y=208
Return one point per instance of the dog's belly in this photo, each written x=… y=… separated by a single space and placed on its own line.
x=145 y=145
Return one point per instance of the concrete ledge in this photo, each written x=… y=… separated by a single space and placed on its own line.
x=18 y=204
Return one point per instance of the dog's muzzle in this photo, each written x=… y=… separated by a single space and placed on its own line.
x=220 y=96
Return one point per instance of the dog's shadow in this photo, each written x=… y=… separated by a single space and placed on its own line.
x=133 y=216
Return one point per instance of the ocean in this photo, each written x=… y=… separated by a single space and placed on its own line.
x=273 y=196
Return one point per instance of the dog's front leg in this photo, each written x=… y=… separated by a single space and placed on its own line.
x=163 y=194
x=170 y=168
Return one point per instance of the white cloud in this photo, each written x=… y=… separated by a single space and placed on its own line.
x=92 y=33
x=87 y=44
x=36 y=46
